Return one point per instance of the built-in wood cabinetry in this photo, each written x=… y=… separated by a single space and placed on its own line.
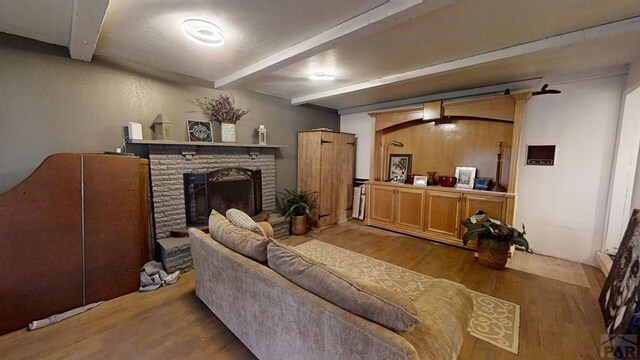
x=441 y=136
x=326 y=167
x=432 y=212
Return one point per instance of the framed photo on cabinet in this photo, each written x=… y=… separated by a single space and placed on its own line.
x=465 y=176
x=420 y=180
x=399 y=167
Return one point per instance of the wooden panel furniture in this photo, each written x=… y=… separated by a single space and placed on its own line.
x=441 y=136
x=326 y=166
x=432 y=212
x=73 y=233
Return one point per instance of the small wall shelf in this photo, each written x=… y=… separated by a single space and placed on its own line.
x=192 y=143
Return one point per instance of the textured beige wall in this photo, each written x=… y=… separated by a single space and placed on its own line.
x=50 y=103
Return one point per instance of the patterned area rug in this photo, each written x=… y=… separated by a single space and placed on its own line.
x=493 y=320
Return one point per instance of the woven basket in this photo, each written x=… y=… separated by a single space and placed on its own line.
x=299 y=225
x=495 y=258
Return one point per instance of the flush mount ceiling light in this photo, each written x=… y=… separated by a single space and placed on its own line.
x=203 y=32
x=321 y=76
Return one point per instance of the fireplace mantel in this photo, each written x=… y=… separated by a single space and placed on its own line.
x=193 y=143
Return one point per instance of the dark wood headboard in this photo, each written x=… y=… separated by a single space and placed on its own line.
x=73 y=233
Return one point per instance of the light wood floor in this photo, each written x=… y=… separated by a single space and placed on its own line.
x=559 y=320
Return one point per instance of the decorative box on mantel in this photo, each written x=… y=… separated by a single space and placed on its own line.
x=169 y=160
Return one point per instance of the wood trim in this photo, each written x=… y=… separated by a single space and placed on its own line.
x=385 y=120
x=499 y=108
x=516 y=139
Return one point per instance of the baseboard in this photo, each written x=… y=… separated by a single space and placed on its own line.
x=604 y=262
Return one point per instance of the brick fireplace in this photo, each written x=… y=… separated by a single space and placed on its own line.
x=169 y=162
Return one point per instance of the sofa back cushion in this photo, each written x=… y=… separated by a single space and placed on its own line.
x=388 y=308
x=244 y=221
x=240 y=240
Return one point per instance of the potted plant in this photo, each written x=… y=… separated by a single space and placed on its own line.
x=299 y=206
x=223 y=109
x=494 y=239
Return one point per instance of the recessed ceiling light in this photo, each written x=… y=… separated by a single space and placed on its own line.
x=321 y=76
x=203 y=32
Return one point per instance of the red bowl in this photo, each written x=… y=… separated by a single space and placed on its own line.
x=447 y=181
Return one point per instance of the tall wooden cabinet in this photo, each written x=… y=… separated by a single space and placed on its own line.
x=326 y=166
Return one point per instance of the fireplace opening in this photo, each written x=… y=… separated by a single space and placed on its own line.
x=221 y=190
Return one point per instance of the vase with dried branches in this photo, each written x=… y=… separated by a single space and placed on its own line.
x=223 y=109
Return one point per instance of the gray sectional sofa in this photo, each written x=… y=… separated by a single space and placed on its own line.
x=277 y=319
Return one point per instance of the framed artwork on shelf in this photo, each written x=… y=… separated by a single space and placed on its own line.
x=465 y=176
x=199 y=131
x=399 y=167
x=420 y=180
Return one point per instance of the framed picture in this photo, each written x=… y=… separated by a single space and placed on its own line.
x=620 y=296
x=399 y=167
x=199 y=130
x=465 y=176
x=420 y=180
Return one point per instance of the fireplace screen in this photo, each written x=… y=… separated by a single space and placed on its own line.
x=221 y=190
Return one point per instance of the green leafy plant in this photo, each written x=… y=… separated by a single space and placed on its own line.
x=296 y=203
x=492 y=231
x=222 y=109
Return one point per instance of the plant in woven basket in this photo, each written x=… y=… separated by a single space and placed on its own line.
x=222 y=109
x=494 y=239
x=299 y=206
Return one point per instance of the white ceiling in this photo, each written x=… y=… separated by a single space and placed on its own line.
x=379 y=50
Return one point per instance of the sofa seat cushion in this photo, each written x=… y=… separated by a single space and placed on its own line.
x=445 y=308
x=388 y=308
x=244 y=221
x=240 y=240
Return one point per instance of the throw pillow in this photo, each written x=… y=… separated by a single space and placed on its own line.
x=388 y=308
x=242 y=220
x=240 y=240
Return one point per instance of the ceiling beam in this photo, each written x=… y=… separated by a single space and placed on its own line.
x=571 y=38
x=86 y=24
x=387 y=14
x=513 y=86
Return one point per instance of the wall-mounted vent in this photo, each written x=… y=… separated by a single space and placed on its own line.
x=542 y=155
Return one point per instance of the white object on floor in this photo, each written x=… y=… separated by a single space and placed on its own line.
x=37 y=324
x=152 y=276
x=355 y=209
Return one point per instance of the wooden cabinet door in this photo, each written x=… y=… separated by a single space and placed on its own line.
x=345 y=165
x=443 y=212
x=493 y=206
x=382 y=203
x=328 y=179
x=410 y=208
